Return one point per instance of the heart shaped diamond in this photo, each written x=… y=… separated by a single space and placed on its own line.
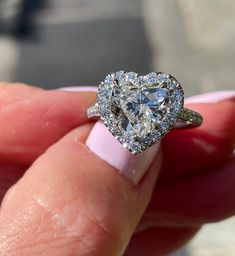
x=139 y=110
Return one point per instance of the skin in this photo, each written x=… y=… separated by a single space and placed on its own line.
x=61 y=199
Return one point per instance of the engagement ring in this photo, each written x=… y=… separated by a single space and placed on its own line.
x=140 y=110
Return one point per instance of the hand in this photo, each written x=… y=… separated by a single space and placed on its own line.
x=70 y=202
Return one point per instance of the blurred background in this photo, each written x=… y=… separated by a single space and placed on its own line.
x=55 y=43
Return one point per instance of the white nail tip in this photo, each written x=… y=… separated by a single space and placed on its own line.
x=79 y=89
x=101 y=142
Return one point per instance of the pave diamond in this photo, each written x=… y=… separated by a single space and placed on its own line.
x=139 y=110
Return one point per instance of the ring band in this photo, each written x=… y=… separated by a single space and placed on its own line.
x=186 y=119
x=141 y=110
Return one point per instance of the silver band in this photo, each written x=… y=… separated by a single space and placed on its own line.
x=186 y=119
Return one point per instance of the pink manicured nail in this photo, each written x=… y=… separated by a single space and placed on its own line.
x=212 y=97
x=80 y=89
x=101 y=142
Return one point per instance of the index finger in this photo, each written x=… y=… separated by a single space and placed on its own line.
x=32 y=119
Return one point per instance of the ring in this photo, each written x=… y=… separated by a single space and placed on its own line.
x=140 y=110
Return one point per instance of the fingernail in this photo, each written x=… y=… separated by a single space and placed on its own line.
x=101 y=142
x=212 y=97
x=79 y=89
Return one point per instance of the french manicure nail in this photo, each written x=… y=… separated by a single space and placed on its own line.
x=101 y=142
x=212 y=97
x=79 y=89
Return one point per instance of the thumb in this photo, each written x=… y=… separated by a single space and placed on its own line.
x=72 y=202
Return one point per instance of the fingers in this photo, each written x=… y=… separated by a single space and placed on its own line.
x=199 y=180
x=197 y=150
x=205 y=147
x=71 y=202
x=159 y=241
x=196 y=199
x=36 y=118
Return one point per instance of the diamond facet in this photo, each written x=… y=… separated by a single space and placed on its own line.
x=143 y=108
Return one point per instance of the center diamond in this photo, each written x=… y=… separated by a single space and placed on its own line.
x=139 y=110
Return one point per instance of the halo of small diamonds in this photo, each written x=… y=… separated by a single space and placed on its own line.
x=139 y=110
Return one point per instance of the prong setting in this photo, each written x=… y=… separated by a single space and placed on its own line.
x=139 y=110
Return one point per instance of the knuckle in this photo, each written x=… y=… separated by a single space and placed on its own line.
x=96 y=236
x=6 y=88
x=75 y=232
x=5 y=85
x=51 y=231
